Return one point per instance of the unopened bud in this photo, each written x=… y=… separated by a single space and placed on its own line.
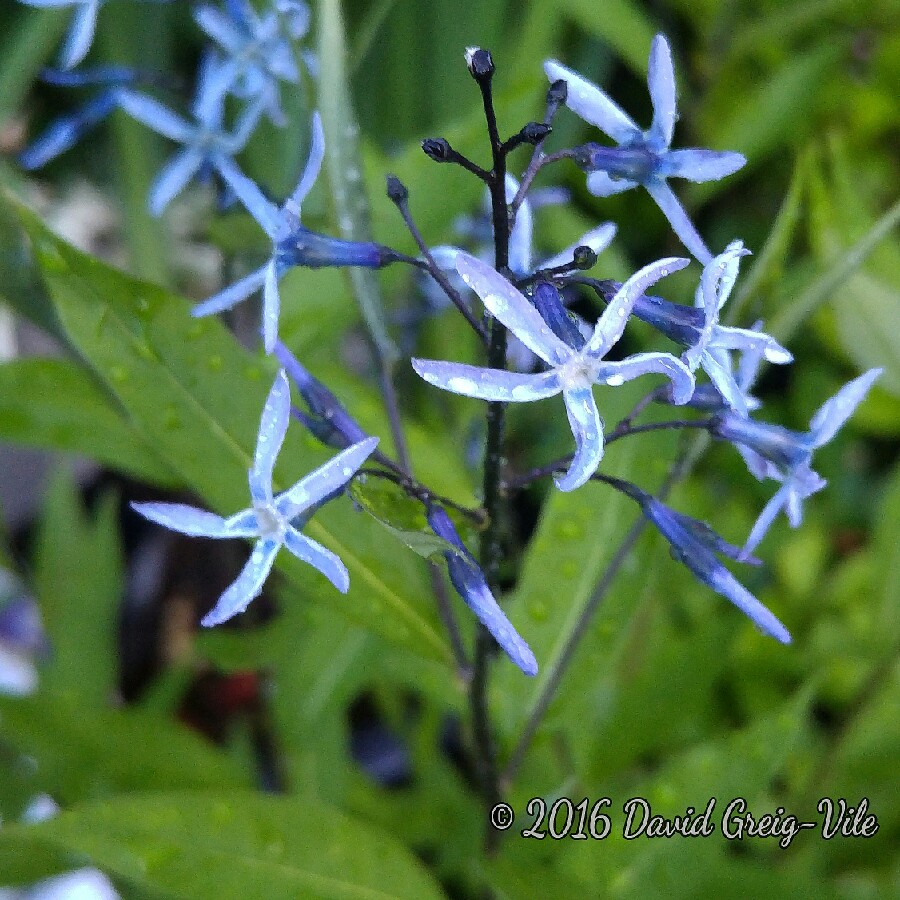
x=480 y=63
x=535 y=132
x=437 y=149
x=396 y=190
x=584 y=257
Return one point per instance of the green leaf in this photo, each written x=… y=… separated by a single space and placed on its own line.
x=792 y=316
x=227 y=846
x=193 y=393
x=345 y=168
x=57 y=405
x=82 y=753
x=401 y=515
x=78 y=582
x=619 y=23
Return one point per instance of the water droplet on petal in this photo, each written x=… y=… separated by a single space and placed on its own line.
x=615 y=380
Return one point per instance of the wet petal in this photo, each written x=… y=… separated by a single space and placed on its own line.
x=767 y=517
x=587 y=429
x=611 y=324
x=271 y=308
x=487 y=384
x=319 y=557
x=616 y=373
x=189 y=520
x=247 y=586
x=325 y=480
x=522 y=235
x=602 y=184
x=661 y=82
x=591 y=104
x=513 y=309
x=723 y=379
x=272 y=429
x=751 y=343
x=729 y=587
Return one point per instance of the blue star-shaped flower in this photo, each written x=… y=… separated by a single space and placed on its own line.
x=274 y=521
x=207 y=146
x=709 y=344
x=771 y=451
x=573 y=368
x=644 y=157
x=292 y=243
x=257 y=55
x=695 y=544
x=81 y=32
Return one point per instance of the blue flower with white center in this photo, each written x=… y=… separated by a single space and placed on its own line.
x=695 y=544
x=274 y=520
x=771 y=451
x=257 y=55
x=470 y=584
x=709 y=344
x=711 y=351
x=207 y=146
x=81 y=32
x=644 y=157
x=572 y=371
x=292 y=243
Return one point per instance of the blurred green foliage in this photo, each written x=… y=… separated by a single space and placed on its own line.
x=672 y=695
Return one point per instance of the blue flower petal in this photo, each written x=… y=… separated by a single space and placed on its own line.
x=615 y=373
x=699 y=165
x=587 y=429
x=661 y=82
x=724 y=583
x=154 y=115
x=513 y=309
x=81 y=33
x=678 y=218
x=325 y=480
x=522 y=235
x=263 y=210
x=247 y=586
x=313 y=163
x=172 y=178
x=271 y=308
x=591 y=104
x=602 y=184
x=723 y=379
x=752 y=343
x=233 y=294
x=319 y=557
x=611 y=324
x=190 y=520
x=272 y=429
x=826 y=423
x=767 y=517
x=487 y=384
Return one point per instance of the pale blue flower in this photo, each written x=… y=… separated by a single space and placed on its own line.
x=207 y=145
x=257 y=54
x=771 y=451
x=644 y=157
x=273 y=520
x=695 y=544
x=292 y=243
x=81 y=31
x=572 y=371
x=470 y=584
x=709 y=344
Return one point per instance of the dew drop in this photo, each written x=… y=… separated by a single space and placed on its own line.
x=615 y=380
x=461 y=385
